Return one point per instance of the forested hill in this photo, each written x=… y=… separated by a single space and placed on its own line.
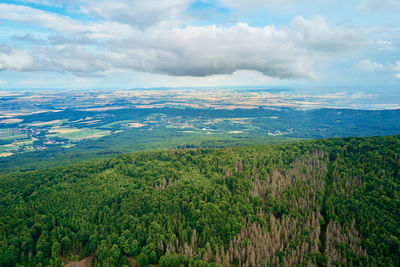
x=327 y=202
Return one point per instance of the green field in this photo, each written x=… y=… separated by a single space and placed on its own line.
x=4 y=149
x=7 y=134
x=82 y=133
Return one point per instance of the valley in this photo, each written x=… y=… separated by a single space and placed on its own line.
x=50 y=128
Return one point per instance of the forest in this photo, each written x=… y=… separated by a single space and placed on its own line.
x=51 y=139
x=330 y=202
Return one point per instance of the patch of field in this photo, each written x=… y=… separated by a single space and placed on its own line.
x=64 y=130
x=68 y=146
x=17 y=136
x=103 y=108
x=23 y=143
x=27 y=112
x=146 y=106
x=90 y=122
x=44 y=123
x=116 y=123
x=85 y=133
x=52 y=135
x=231 y=107
x=181 y=126
x=7 y=93
x=76 y=121
x=11 y=121
x=239 y=122
x=5 y=148
x=136 y=125
x=8 y=134
x=235 y=132
x=9 y=145
x=7 y=154
x=250 y=127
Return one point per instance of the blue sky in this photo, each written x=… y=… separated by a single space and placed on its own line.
x=76 y=44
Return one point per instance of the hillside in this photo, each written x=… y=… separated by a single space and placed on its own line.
x=326 y=202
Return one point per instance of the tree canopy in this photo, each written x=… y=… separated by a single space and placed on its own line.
x=327 y=202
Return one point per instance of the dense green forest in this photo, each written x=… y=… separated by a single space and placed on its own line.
x=333 y=202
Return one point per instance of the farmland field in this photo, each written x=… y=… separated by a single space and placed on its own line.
x=98 y=124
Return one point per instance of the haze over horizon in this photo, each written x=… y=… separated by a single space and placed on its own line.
x=129 y=44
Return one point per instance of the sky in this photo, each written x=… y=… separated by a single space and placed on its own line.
x=121 y=44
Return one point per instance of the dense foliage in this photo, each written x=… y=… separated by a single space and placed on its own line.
x=327 y=202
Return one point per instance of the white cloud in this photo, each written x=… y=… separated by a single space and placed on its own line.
x=385 y=45
x=73 y=58
x=137 y=12
x=396 y=66
x=15 y=59
x=285 y=53
x=3 y=82
x=263 y=4
x=42 y=2
x=368 y=65
x=318 y=35
x=60 y=58
x=202 y=51
x=62 y=24
x=376 y=5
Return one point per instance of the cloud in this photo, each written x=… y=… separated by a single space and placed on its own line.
x=396 y=66
x=62 y=24
x=202 y=51
x=13 y=59
x=137 y=12
x=29 y=38
x=73 y=58
x=385 y=45
x=368 y=65
x=284 y=53
x=41 y=2
x=379 y=5
x=61 y=58
x=262 y=4
x=318 y=35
